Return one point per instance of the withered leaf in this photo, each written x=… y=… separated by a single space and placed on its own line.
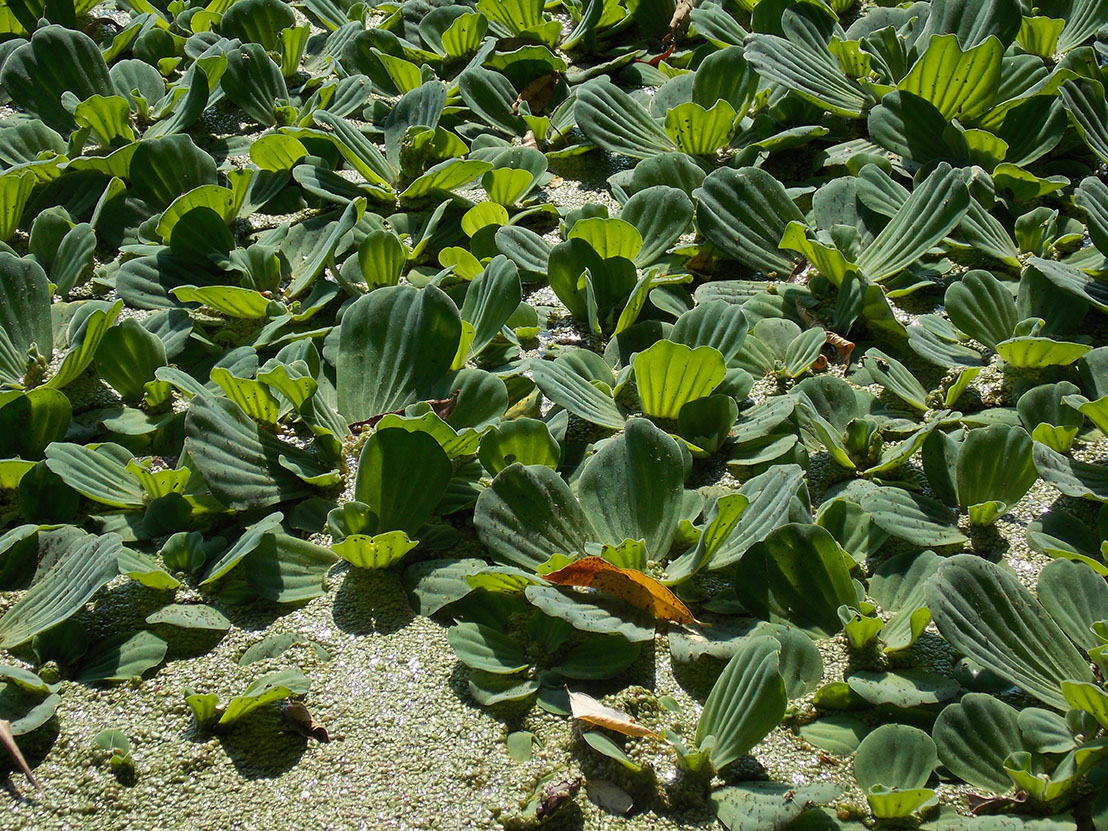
x=297 y=719
x=634 y=587
x=587 y=709
x=8 y=741
x=554 y=795
x=442 y=407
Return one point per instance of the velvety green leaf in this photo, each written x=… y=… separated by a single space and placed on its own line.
x=986 y=614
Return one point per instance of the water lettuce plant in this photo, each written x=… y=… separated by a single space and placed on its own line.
x=293 y=291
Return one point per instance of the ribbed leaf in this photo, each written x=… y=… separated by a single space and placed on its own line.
x=813 y=75
x=491 y=298
x=241 y=462
x=79 y=572
x=669 y=375
x=401 y=477
x=1092 y=198
x=799 y=574
x=616 y=122
x=987 y=615
x=528 y=514
x=911 y=516
x=394 y=345
x=744 y=213
x=994 y=464
x=745 y=704
x=562 y=384
x=974 y=737
x=982 y=307
x=961 y=84
x=1071 y=477
x=933 y=210
x=56 y=60
x=632 y=487
x=1084 y=100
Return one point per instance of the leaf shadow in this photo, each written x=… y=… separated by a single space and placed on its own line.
x=258 y=746
x=371 y=602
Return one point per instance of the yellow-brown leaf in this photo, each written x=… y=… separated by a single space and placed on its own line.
x=634 y=587
x=587 y=709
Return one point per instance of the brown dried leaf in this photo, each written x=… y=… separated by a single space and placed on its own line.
x=554 y=795
x=442 y=407
x=8 y=740
x=680 y=20
x=634 y=587
x=587 y=709
x=298 y=719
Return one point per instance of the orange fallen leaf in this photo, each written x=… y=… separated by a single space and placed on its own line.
x=587 y=709
x=638 y=589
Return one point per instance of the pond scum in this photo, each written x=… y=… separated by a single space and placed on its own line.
x=648 y=414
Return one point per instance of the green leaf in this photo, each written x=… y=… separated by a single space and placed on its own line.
x=994 y=464
x=15 y=190
x=529 y=513
x=127 y=357
x=444 y=177
x=745 y=704
x=491 y=298
x=1076 y=597
x=1088 y=111
x=24 y=314
x=987 y=615
x=903 y=689
x=839 y=734
x=799 y=574
x=30 y=421
x=768 y=806
x=99 y=472
x=56 y=60
x=935 y=208
x=811 y=72
x=911 y=516
x=523 y=440
x=479 y=647
x=83 y=344
x=1071 y=477
x=267 y=689
x=565 y=383
x=592 y=613
x=974 y=737
x=896 y=756
x=615 y=122
x=190 y=616
x=257 y=21
x=394 y=345
x=1037 y=353
x=699 y=130
x=254 y=83
x=669 y=375
x=631 y=488
x=982 y=307
x=243 y=465
x=122 y=658
x=376 y=551
x=401 y=477
x=744 y=213
x=738 y=521
x=961 y=84
x=287 y=569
